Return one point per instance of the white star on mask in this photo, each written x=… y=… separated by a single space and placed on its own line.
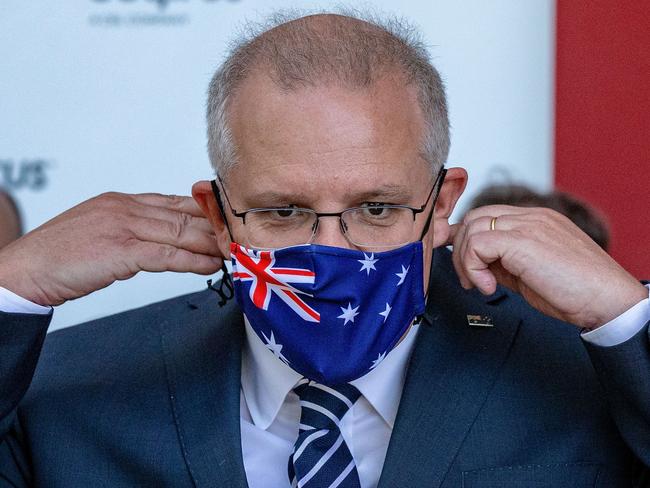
x=380 y=358
x=368 y=263
x=402 y=275
x=386 y=312
x=348 y=314
x=274 y=347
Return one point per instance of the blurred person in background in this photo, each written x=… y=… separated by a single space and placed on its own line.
x=579 y=212
x=11 y=227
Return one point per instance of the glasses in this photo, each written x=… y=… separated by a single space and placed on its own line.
x=370 y=226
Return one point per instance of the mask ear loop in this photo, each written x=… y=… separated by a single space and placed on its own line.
x=226 y=289
x=226 y=282
x=222 y=211
x=440 y=179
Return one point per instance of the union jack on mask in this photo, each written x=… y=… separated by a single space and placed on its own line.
x=331 y=314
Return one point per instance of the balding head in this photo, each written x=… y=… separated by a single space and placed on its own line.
x=10 y=224
x=325 y=50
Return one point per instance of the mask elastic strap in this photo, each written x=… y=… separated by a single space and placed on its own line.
x=226 y=288
x=440 y=179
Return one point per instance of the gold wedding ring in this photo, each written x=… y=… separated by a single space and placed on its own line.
x=493 y=223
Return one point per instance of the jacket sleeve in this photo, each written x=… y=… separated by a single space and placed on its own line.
x=21 y=340
x=624 y=372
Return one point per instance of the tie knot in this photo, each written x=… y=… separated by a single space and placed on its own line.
x=323 y=407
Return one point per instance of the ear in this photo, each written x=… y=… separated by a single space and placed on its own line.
x=452 y=188
x=202 y=194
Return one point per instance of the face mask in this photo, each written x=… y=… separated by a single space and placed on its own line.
x=331 y=314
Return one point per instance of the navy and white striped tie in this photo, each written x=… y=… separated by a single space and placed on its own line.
x=321 y=458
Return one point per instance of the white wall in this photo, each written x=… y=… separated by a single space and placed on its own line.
x=100 y=95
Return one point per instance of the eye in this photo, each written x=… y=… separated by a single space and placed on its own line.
x=285 y=212
x=375 y=209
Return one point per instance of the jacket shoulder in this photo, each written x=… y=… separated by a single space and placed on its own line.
x=133 y=323
x=124 y=345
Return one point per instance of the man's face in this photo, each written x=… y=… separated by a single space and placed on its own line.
x=329 y=148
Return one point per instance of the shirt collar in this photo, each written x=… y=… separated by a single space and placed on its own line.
x=383 y=386
x=266 y=380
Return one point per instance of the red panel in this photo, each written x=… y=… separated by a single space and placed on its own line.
x=602 y=134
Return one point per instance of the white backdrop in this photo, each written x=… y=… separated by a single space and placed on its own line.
x=99 y=95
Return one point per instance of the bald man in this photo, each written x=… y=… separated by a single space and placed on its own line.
x=357 y=351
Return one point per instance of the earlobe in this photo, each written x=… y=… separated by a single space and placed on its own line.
x=202 y=194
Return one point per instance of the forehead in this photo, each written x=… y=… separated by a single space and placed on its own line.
x=327 y=141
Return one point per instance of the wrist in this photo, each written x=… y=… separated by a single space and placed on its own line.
x=636 y=293
x=19 y=283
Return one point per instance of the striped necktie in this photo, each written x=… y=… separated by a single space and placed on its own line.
x=321 y=458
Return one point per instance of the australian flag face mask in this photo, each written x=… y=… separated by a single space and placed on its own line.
x=331 y=314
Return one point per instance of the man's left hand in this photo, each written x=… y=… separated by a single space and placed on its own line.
x=542 y=255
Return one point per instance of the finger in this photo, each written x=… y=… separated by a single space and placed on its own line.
x=170 y=202
x=454 y=229
x=496 y=211
x=491 y=272
x=481 y=224
x=174 y=217
x=469 y=228
x=169 y=215
x=505 y=223
x=483 y=249
x=155 y=257
x=504 y=277
x=185 y=232
x=456 y=257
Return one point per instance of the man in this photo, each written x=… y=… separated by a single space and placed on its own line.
x=328 y=135
x=10 y=224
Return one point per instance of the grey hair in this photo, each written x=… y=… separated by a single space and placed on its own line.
x=304 y=56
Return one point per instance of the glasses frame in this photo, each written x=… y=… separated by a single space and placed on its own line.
x=437 y=185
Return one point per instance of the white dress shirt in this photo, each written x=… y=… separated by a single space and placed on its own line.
x=270 y=411
x=623 y=327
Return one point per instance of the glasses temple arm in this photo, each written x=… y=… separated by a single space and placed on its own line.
x=217 y=197
x=437 y=186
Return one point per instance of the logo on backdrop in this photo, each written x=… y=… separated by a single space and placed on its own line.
x=138 y=13
x=24 y=174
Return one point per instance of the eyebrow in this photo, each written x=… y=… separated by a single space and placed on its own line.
x=389 y=191
x=385 y=192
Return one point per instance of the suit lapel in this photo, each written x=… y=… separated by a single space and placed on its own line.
x=202 y=350
x=452 y=370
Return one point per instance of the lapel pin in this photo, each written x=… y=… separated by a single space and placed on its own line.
x=479 y=321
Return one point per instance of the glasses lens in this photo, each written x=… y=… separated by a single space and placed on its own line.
x=280 y=227
x=379 y=226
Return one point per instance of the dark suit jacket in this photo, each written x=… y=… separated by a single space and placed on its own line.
x=150 y=397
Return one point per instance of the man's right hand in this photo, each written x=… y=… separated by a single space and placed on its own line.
x=107 y=238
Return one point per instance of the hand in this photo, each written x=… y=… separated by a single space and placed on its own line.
x=542 y=255
x=107 y=238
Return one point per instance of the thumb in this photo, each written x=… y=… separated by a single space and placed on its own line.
x=453 y=231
